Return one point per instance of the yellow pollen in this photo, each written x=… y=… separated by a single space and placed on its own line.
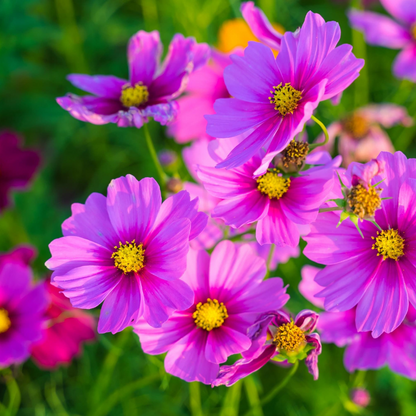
x=389 y=244
x=4 y=321
x=134 y=96
x=289 y=337
x=272 y=184
x=129 y=257
x=210 y=315
x=356 y=126
x=285 y=99
x=295 y=153
x=364 y=202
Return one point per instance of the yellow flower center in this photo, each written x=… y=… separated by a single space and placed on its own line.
x=210 y=315
x=272 y=184
x=4 y=321
x=364 y=202
x=356 y=126
x=413 y=31
x=285 y=98
x=134 y=96
x=389 y=244
x=289 y=337
x=295 y=153
x=129 y=257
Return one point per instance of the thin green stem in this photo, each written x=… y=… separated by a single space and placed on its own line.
x=269 y=259
x=195 y=399
x=14 y=395
x=331 y=209
x=153 y=155
x=279 y=387
x=322 y=126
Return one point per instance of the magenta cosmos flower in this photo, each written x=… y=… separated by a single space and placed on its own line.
x=18 y=166
x=375 y=272
x=383 y=31
x=361 y=137
x=273 y=98
x=151 y=89
x=128 y=250
x=229 y=295
x=275 y=336
x=257 y=192
x=65 y=330
x=22 y=305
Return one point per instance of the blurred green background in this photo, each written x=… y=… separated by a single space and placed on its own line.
x=43 y=41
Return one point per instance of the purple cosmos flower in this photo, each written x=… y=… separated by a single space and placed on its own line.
x=361 y=137
x=276 y=336
x=151 y=89
x=17 y=166
x=397 y=349
x=257 y=191
x=129 y=250
x=273 y=98
x=383 y=31
x=229 y=295
x=376 y=272
x=22 y=306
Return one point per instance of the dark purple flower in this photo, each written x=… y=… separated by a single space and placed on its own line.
x=151 y=89
x=129 y=250
x=383 y=31
x=273 y=98
x=229 y=294
x=17 y=166
x=275 y=336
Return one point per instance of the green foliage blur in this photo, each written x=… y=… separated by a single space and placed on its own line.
x=41 y=42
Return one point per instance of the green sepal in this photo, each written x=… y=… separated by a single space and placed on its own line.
x=342 y=203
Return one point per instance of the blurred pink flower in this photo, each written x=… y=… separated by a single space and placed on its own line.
x=361 y=397
x=361 y=137
x=66 y=329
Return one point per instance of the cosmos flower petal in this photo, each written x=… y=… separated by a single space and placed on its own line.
x=160 y=340
x=276 y=228
x=404 y=10
x=11 y=288
x=143 y=54
x=163 y=297
x=384 y=304
x=122 y=306
x=311 y=360
x=191 y=349
x=408 y=267
x=106 y=86
x=388 y=115
x=337 y=327
x=260 y=26
x=379 y=30
x=133 y=206
x=197 y=273
x=308 y=287
x=32 y=303
x=164 y=113
x=306 y=320
x=404 y=64
x=225 y=342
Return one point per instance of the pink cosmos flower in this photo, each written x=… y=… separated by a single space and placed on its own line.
x=22 y=305
x=361 y=137
x=66 y=329
x=129 y=250
x=205 y=86
x=361 y=397
x=17 y=166
x=151 y=89
x=273 y=98
x=229 y=295
x=375 y=272
x=275 y=336
x=257 y=192
x=382 y=31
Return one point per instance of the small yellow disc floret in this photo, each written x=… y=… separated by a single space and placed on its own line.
x=129 y=257
x=4 y=321
x=289 y=337
x=389 y=244
x=134 y=96
x=272 y=184
x=285 y=98
x=210 y=315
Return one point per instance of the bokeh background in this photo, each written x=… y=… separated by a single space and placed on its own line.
x=43 y=41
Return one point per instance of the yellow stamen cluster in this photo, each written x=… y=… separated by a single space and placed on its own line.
x=289 y=337
x=357 y=126
x=285 y=98
x=364 y=202
x=134 y=96
x=272 y=184
x=389 y=244
x=210 y=315
x=4 y=321
x=129 y=257
x=295 y=154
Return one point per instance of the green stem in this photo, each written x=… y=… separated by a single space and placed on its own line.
x=269 y=259
x=322 y=126
x=14 y=395
x=331 y=209
x=195 y=399
x=279 y=387
x=154 y=155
